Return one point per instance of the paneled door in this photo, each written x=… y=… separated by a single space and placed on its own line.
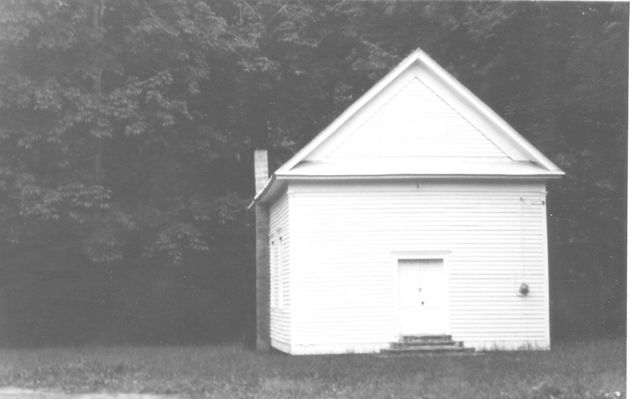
x=422 y=297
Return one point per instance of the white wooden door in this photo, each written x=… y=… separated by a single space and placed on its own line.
x=422 y=296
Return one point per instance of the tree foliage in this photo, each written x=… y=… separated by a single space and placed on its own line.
x=128 y=126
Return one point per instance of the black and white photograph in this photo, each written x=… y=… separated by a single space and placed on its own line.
x=338 y=199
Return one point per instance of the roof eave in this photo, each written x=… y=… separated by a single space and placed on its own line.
x=263 y=192
x=267 y=192
x=550 y=175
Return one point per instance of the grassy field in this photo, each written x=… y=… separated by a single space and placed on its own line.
x=579 y=370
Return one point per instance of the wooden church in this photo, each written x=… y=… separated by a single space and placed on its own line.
x=417 y=216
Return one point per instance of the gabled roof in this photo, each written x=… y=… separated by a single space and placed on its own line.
x=501 y=151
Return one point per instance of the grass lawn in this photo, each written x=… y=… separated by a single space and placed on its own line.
x=578 y=370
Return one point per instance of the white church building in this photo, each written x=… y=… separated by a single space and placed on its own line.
x=418 y=212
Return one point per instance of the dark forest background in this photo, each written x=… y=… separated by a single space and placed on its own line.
x=127 y=130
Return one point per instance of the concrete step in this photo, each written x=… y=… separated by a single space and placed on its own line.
x=426 y=338
x=413 y=344
x=427 y=349
x=426 y=344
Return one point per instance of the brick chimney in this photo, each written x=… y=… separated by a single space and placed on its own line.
x=261 y=169
x=263 y=301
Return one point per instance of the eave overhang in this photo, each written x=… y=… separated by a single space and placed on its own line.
x=278 y=182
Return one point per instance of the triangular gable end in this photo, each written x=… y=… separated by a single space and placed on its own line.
x=449 y=114
x=409 y=119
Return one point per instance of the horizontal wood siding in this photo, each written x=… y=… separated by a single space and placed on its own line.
x=280 y=315
x=416 y=122
x=417 y=116
x=344 y=242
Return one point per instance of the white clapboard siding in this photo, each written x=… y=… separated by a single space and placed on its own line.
x=280 y=322
x=416 y=122
x=345 y=238
x=416 y=116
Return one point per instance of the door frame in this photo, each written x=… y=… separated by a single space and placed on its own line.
x=443 y=255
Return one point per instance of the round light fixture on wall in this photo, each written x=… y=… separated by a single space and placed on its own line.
x=523 y=290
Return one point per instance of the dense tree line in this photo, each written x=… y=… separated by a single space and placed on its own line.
x=128 y=129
